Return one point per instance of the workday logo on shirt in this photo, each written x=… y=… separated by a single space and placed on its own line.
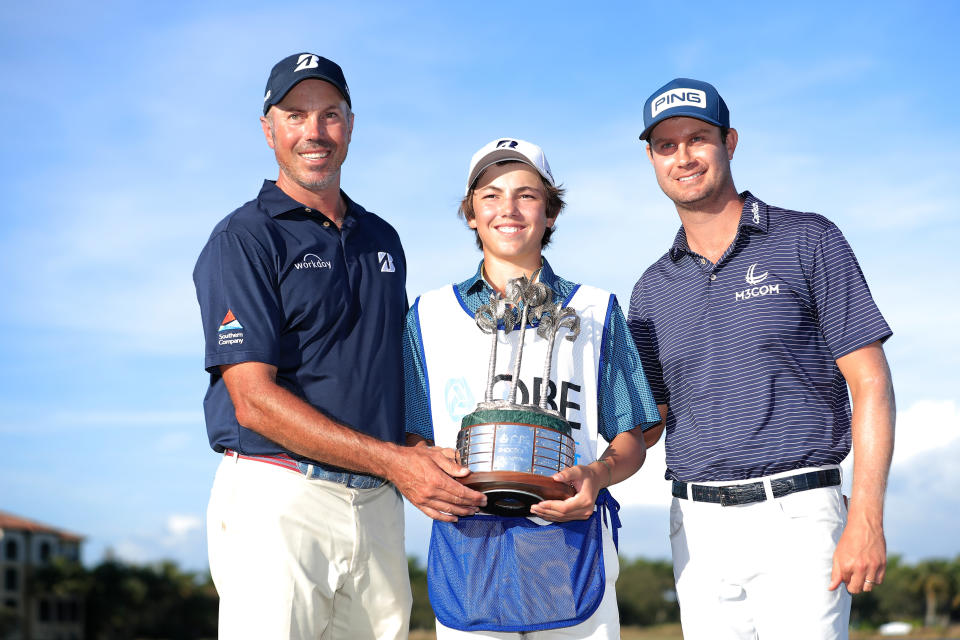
x=755 y=291
x=312 y=261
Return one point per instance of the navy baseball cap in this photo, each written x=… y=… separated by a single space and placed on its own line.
x=684 y=97
x=300 y=66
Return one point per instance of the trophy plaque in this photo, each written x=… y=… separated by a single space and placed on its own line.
x=511 y=449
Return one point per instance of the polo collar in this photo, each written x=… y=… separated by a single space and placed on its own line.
x=477 y=283
x=273 y=199
x=753 y=216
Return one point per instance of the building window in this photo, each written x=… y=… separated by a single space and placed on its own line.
x=10 y=550
x=43 y=612
x=44 y=552
x=11 y=579
x=10 y=603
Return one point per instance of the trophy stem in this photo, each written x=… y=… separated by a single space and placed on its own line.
x=545 y=384
x=516 y=365
x=488 y=396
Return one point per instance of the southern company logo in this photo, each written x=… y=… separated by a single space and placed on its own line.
x=230 y=322
x=230 y=331
x=754 y=291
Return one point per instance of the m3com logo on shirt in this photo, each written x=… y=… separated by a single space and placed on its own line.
x=756 y=291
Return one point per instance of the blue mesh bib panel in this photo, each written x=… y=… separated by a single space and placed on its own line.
x=511 y=574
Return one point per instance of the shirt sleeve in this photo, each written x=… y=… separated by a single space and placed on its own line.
x=417 y=418
x=625 y=400
x=239 y=301
x=848 y=317
x=642 y=330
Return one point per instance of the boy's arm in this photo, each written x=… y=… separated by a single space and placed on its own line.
x=652 y=435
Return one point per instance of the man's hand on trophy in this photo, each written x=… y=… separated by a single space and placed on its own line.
x=587 y=480
x=425 y=476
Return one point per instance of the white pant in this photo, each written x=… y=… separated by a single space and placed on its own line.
x=604 y=624
x=760 y=570
x=293 y=557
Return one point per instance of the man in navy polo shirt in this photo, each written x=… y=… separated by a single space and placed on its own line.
x=302 y=296
x=751 y=329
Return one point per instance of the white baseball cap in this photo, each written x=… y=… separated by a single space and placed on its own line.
x=501 y=149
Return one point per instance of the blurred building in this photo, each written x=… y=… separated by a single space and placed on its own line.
x=26 y=612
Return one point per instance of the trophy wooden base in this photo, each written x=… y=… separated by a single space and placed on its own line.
x=512 y=493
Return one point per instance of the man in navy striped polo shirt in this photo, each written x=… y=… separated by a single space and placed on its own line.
x=751 y=329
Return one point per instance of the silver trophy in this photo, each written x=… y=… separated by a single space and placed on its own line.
x=512 y=449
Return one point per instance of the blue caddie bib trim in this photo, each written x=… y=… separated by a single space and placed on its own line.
x=573 y=292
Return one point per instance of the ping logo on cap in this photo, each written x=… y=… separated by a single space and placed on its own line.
x=678 y=98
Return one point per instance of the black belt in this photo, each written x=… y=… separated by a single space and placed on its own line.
x=753 y=492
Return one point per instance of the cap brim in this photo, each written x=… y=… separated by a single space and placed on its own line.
x=645 y=135
x=499 y=155
x=278 y=97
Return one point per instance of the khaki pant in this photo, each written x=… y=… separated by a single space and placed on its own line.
x=294 y=558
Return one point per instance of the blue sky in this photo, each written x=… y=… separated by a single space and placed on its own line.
x=132 y=129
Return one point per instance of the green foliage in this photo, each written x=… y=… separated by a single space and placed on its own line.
x=162 y=601
x=129 y=601
x=421 y=617
x=926 y=593
x=646 y=593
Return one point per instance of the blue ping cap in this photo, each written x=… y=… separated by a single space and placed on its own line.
x=300 y=66
x=684 y=97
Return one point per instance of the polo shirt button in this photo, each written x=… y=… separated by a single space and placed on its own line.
x=703 y=261
x=713 y=276
x=308 y=209
x=326 y=223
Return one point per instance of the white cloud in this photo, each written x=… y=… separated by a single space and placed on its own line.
x=130 y=552
x=927 y=425
x=180 y=526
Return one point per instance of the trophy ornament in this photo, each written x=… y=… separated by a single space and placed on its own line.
x=513 y=450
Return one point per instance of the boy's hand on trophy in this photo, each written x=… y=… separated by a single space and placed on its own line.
x=587 y=480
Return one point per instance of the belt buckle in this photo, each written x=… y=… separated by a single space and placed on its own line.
x=726 y=499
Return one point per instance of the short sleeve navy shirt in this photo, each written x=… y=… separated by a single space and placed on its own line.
x=744 y=351
x=279 y=283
